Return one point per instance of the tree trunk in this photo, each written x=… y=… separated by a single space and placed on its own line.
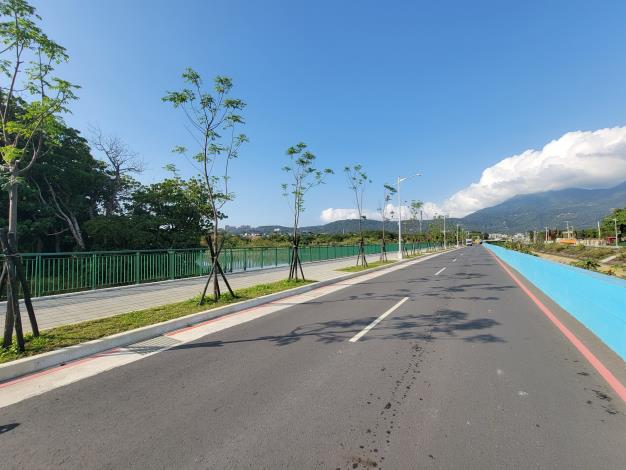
x=295 y=252
x=13 y=205
x=216 y=283
x=10 y=275
x=76 y=232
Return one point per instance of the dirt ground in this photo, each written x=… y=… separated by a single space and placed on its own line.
x=618 y=270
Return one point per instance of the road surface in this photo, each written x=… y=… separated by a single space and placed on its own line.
x=462 y=371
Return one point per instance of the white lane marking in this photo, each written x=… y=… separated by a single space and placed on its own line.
x=454 y=260
x=358 y=336
x=17 y=390
x=440 y=271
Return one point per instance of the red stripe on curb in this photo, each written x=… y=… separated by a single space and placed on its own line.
x=606 y=374
x=56 y=368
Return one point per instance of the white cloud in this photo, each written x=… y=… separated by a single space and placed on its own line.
x=581 y=159
x=332 y=214
x=584 y=159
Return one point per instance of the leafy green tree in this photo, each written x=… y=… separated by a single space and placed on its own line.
x=177 y=211
x=304 y=176
x=169 y=214
x=214 y=117
x=60 y=194
x=435 y=229
x=32 y=98
x=357 y=182
x=416 y=217
x=70 y=183
x=30 y=101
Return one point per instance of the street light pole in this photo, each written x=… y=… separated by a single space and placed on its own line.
x=400 y=180
x=445 y=245
x=457 y=235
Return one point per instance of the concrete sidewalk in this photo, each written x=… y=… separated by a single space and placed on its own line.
x=88 y=305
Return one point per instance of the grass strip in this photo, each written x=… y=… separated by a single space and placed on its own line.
x=69 y=335
x=354 y=269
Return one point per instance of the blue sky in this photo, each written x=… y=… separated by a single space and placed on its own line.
x=445 y=88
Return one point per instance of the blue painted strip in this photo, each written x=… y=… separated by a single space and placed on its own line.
x=596 y=300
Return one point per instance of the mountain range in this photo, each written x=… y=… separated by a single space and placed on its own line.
x=579 y=207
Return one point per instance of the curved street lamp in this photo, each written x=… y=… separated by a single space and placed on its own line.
x=400 y=180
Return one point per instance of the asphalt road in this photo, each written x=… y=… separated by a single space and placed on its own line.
x=467 y=373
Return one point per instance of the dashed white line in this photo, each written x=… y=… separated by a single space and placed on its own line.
x=440 y=271
x=454 y=260
x=360 y=334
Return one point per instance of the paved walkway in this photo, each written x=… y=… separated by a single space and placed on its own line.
x=87 y=305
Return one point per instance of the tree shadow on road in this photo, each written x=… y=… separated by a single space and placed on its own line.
x=8 y=427
x=444 y=324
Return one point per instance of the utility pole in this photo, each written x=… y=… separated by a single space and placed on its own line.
x=400 y=180
x=457 y=235
x=546 y=234
x=615 y=222
x=599 y=235
x=568 y=231
x=445 y=244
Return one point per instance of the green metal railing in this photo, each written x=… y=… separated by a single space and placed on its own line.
x=55 y=273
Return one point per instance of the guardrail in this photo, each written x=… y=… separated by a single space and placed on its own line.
x=596 y=300
x=55 y=273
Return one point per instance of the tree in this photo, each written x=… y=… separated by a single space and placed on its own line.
x=122 y=162
x=435 y=228
x=416 y=210
x=176 y=212
x=70 y=183
x=388 y=193
x=305 y=176
x=357 y=182
x=214 y=118
x=29 y=104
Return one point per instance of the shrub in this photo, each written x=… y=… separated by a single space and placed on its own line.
x=590 y=264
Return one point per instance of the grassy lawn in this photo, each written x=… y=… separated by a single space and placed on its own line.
x=69 y=335
x=354 y=269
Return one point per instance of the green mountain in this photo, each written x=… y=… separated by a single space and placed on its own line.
x=582 y=208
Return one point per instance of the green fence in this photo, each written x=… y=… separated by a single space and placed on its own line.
x=54 y=273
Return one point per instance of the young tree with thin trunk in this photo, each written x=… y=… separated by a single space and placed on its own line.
x=304 y=176
x=416 y=209
x=388 y=193
x=30 y=101
x=357 y=182
x=213 y=117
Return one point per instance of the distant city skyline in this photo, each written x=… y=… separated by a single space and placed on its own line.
x=487 y=100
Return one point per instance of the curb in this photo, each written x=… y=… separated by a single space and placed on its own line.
x=28 y=365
